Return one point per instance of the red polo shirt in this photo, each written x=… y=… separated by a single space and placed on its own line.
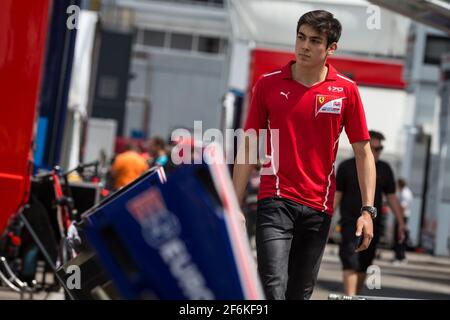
x=309 y=122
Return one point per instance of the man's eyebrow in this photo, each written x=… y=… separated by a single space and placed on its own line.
x=312 y=37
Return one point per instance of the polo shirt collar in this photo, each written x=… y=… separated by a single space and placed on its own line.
x=286 y=71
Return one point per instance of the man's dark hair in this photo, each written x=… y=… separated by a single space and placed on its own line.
x=324 y=22
x=159 y=142
x=401 y=182
x=132 y=146
x=376 y=135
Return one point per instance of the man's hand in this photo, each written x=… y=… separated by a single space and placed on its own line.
x=242 y=218
x=401 y=230
x=242 y=222
x=364 y=226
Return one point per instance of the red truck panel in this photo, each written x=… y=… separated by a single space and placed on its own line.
x=23 y=30
x=366 y=72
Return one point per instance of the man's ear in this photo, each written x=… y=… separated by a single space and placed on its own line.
x=332 y=48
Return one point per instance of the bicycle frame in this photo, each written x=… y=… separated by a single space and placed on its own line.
x=62 y=214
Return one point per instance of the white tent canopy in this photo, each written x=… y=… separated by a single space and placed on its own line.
x=435 y=13
x=272 y=23
x=182 y=17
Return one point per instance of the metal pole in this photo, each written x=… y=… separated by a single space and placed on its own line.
x=425 y=187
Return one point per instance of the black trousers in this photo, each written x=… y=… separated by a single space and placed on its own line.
x=400 y=247
x=290 y=241
x=350 y=259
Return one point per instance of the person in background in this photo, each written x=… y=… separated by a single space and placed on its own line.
x=157 y=152
x=405 y=196
x=348 y=198
x=128 y=166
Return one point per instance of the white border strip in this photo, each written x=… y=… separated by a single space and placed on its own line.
x=329 y=176
x=272 y=73
x=245 y=263
x=272 y=164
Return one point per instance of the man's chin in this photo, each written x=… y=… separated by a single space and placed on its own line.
x=303 y=62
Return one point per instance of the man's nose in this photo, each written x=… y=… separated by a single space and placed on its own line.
x=305 y=45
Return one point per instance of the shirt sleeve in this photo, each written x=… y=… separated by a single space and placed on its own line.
x=257 y=114
x=406 y=198
x=354 y=118
x=403 y=200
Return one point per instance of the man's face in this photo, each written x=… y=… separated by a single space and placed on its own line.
x=311 y=47
x=377 y=147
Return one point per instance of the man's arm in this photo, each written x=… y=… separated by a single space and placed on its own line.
x=242 y=170
x=397 y=209
x=337 y=199
x=365 y=166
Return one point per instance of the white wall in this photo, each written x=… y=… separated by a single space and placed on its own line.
x=101 y=136
x=386 y=111
x=273 y=22
x=443 y=230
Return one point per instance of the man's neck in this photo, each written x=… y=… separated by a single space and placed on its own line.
x=309 y=76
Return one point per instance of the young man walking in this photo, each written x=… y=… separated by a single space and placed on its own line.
x=309 y=103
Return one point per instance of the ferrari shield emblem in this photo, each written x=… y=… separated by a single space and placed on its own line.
x=321 y=99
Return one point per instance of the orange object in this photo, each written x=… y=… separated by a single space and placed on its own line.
x=127 y=167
